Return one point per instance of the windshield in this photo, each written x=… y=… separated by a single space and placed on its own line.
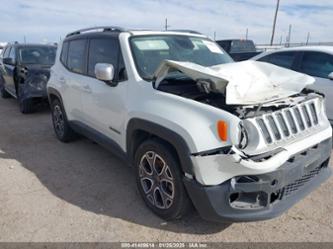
x=38 y=55
x=150 y=51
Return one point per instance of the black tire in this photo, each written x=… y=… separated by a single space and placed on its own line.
x=4 y=93
x=166 y=195
x=26 y=105
x=60 y=123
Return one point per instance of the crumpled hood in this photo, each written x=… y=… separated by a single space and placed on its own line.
x=242 y=83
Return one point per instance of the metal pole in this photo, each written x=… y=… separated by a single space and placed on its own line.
x=247 y=34
x=274 y=22
x=214 y=35
x=289 y=35
x=166 y=24
x=307 y=39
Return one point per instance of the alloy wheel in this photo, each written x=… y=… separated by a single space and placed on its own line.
x=156 y=180
x=58 y=120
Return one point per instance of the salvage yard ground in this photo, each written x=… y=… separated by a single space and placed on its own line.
x=51 y=191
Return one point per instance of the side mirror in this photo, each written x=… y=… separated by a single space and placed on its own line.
x=330 y=76
x=104 y=72
x=8 y=61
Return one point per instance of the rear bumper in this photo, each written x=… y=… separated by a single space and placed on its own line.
x=266 y=195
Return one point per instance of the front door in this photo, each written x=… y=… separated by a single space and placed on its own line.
x=105 y=105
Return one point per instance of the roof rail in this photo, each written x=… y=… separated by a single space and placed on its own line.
x=185 y=31
x=103 y=28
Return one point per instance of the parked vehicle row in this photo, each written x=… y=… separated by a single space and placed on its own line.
x=239 y=50
x=315 y=61
x=238 y=141
x=25 y=70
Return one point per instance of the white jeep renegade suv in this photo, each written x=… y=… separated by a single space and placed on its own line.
x=240 y=141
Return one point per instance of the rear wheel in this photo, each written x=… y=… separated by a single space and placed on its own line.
x=160 y=181
x=25 y=104
x=60 y=123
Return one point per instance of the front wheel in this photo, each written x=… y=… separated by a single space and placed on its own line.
x=25 y=104
x=159 y=180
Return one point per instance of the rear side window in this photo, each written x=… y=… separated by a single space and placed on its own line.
x=102 y=51
x=317 y=64
x=5 y=52
x=283 y=59
x=76 y=60
x=64 y=53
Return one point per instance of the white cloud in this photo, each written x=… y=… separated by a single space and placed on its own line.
x=38 y=20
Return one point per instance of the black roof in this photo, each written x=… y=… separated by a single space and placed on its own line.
x=21 y=45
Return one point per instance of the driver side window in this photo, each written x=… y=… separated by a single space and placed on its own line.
x=12 y=54
x=106 y=50
x=6 y=52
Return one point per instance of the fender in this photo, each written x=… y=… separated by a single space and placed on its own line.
x=164 y=133
x=53 y=91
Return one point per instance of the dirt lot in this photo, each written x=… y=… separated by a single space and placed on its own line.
x=51 y=191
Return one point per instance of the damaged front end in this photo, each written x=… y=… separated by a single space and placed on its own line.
x=33 y=80
x=283 y=145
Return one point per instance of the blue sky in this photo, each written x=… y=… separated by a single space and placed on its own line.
x=46 y=21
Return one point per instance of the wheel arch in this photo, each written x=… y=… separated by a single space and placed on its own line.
x=53 y=94
x=139 y=130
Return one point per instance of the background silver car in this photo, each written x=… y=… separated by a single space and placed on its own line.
x=316 y=61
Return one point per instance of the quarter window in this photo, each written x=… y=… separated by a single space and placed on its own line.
x=283 y=59
x=76 y=56
x=317 y=64
x=64 y=53
x=102 y=51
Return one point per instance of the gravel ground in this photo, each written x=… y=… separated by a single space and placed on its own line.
x=51 y=191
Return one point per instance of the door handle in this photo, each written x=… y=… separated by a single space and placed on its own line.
x=86 y=89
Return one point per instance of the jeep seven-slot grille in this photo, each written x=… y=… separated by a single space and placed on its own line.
x=283 y=123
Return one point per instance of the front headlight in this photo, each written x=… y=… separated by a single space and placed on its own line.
x=38 y=82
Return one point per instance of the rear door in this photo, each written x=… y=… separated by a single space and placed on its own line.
x=319 y=65
x=9 y=72
x=71 y=80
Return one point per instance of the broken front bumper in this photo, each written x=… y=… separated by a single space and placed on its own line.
x=29 y=92
x=263 y=196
